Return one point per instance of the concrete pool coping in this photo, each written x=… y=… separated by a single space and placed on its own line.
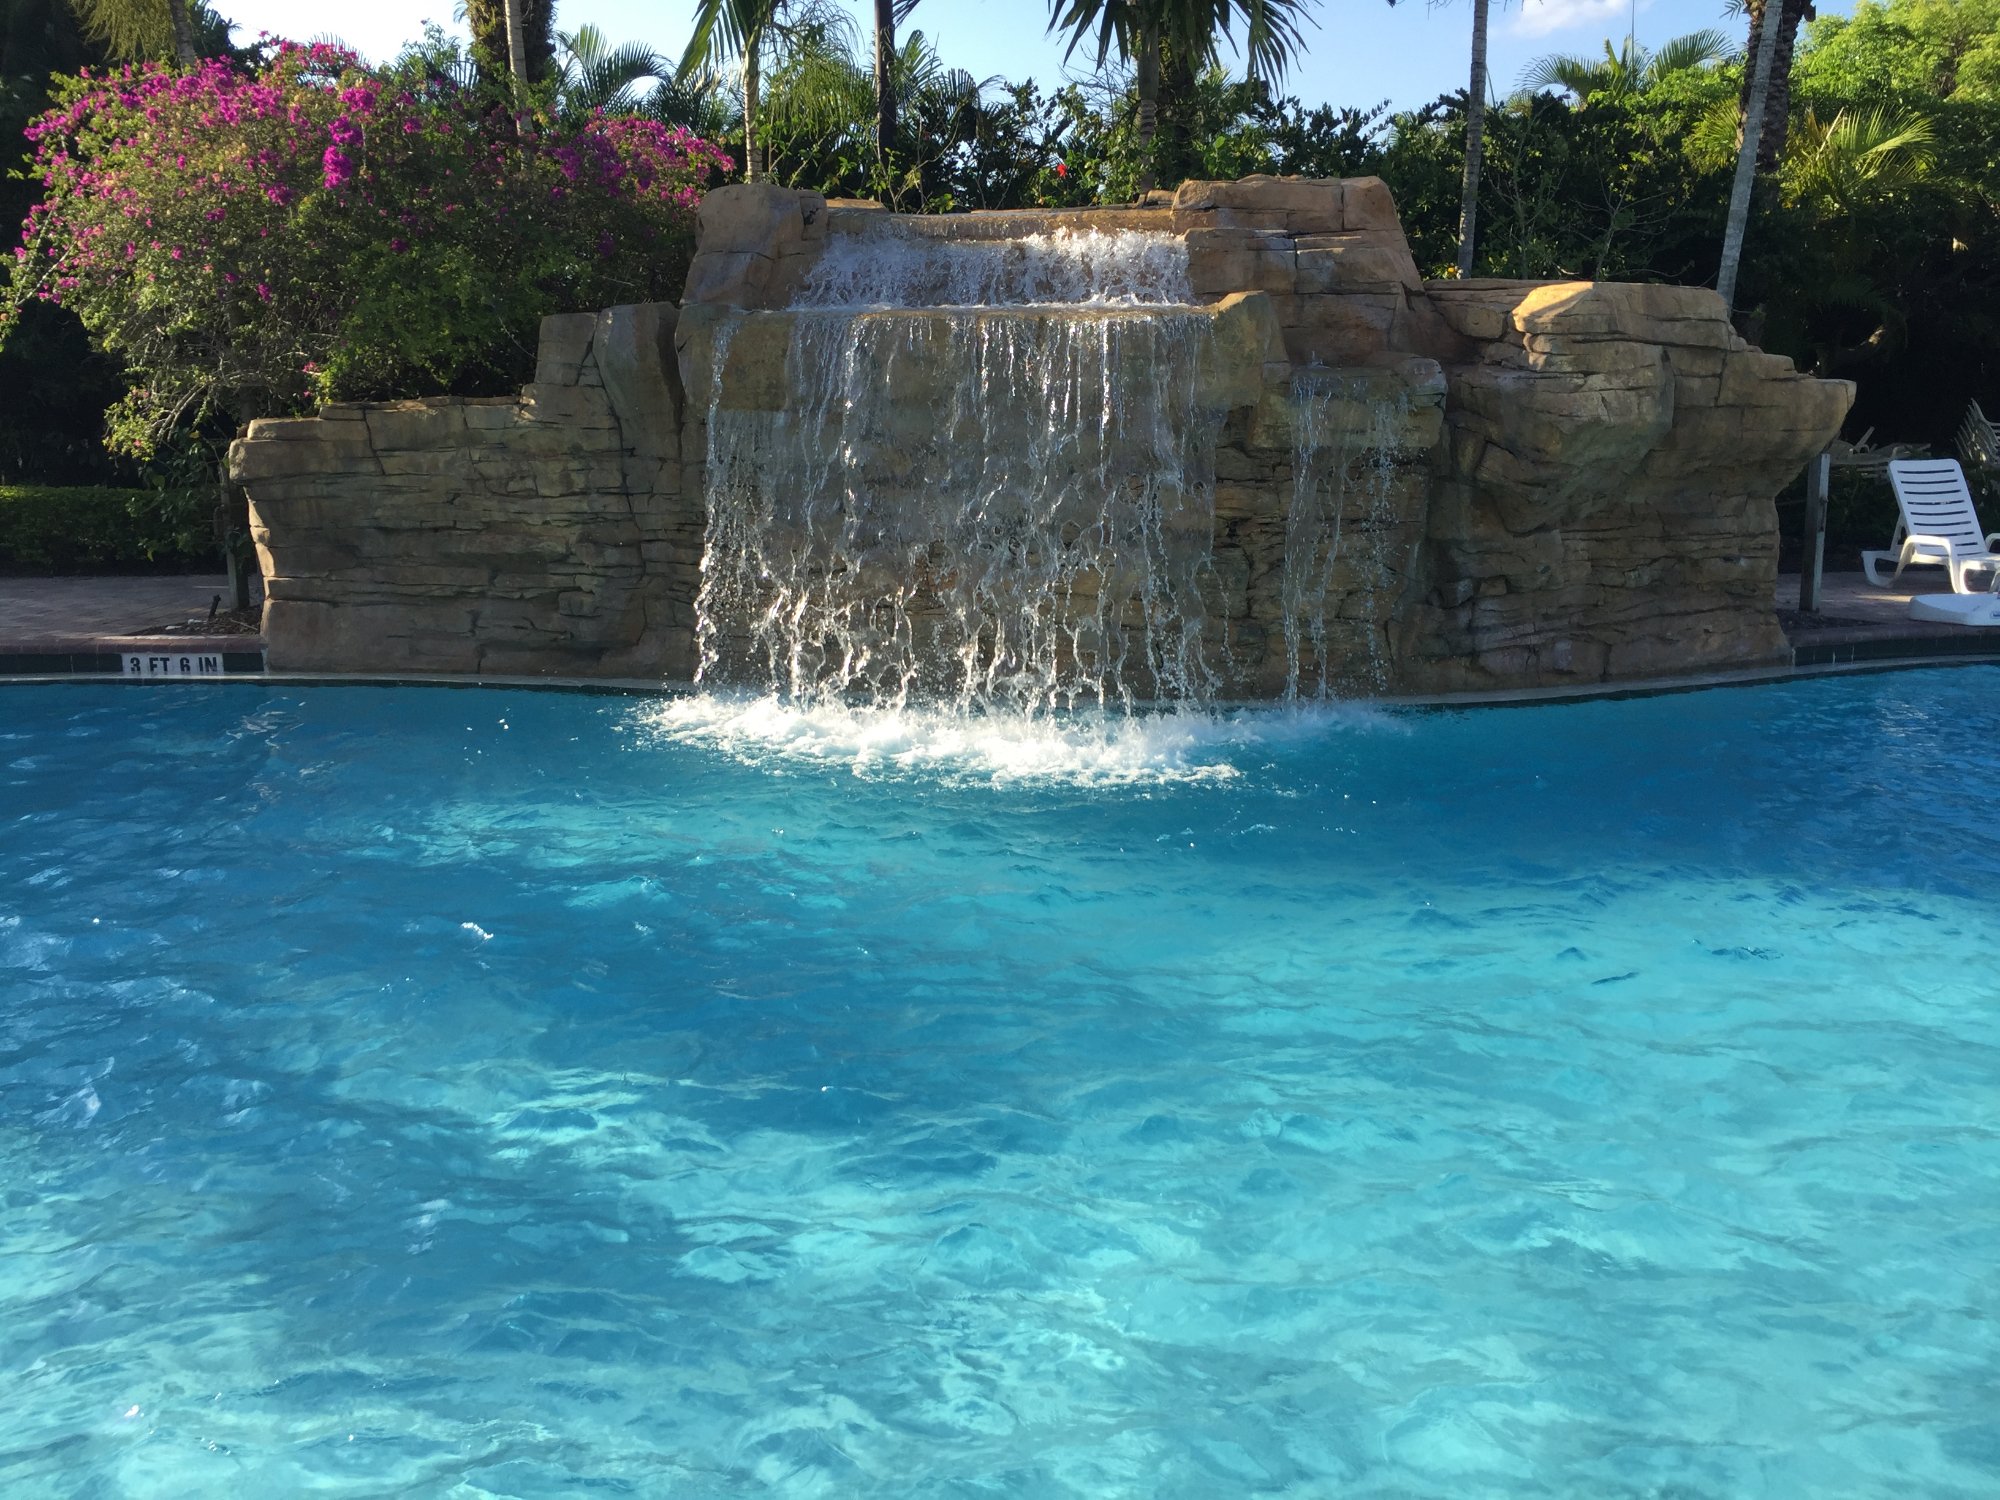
x=634 y=687
x=1860 y=628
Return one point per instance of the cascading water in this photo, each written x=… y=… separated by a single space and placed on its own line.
x=1127 y=267
x=1332 y=454
x=990 y=484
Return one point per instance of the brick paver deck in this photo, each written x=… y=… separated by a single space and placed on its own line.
x=58 y=626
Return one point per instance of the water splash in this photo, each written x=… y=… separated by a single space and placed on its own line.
x=1087 y=749
x=1338 y=460
x=980 y=508
x=888 y=267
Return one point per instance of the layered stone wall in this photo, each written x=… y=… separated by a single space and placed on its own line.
x=735 y=366
x=1602 y=509
x=1533 y=484
x=552 y=533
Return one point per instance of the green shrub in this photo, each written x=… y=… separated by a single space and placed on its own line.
x=58 y=529
x=248 y=242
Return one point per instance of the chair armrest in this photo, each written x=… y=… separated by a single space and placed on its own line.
x=1991 y=538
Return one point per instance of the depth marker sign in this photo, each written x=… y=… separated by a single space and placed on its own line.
x=206 y=664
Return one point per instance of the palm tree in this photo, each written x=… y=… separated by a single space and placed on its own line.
x=1475 y=143
x=517 y=53
x=1778 y=103
x=1746 y=165
x=888 y=15
x=1630 y=70
x=1475 y=140
x=518 y=35
x=725 y=29
x=1190 y=33
x=592 y=76
x=1857 y=156
x=142 y=28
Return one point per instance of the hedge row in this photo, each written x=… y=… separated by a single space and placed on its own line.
x=58 y=529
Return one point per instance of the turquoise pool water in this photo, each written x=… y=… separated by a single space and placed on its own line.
x=433 y=1092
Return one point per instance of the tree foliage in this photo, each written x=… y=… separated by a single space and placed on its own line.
x=1170 y=45
x=1875 y=255
x=250 y=241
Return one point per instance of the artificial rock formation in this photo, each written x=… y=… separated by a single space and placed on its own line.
x=1602 y=508
x=553 y=533
x=1418 y=487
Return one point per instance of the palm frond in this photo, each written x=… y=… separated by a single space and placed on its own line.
x=1115 y=21
x=705 y=102
x=437 y=58
x=129 y=29
x=721 y=30
x=1858 y=155
x=1272 y=36
x=1561 y=71
x=1695 y=50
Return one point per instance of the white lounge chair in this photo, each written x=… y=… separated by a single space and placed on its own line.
x=1939 y=527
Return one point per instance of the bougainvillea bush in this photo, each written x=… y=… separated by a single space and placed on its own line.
x=251 y=242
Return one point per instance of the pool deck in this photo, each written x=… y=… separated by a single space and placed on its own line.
x=75 y=627
x=88 y=627
x=1859 y=622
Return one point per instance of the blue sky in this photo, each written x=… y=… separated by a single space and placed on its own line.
x=1362 y=51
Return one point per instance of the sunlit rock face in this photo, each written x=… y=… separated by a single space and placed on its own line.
x=1410 y=487
x=548 y=534
x=1227 y=446
x=1603 y=507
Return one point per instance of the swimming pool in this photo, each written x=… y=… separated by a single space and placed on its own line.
x=536 y=1093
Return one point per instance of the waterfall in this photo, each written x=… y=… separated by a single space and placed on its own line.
x=899 y=268
x=991 y=508
x=981 y=500
x=1345 y=444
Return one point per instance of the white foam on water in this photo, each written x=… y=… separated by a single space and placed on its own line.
x=1083 y=749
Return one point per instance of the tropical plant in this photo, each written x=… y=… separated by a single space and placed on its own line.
x=702 y=103
x=1911 y=51
x=733 y=30
x=138 y=29
x=1174 y=41
x=1858 y=157
x=1740 y=189
x=820 y=103
x=513 y=39
x=594 y=77
x=1630 y=70
x=248 y=242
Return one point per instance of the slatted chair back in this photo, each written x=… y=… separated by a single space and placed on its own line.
x=1935 y=501
x=1977 y=443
